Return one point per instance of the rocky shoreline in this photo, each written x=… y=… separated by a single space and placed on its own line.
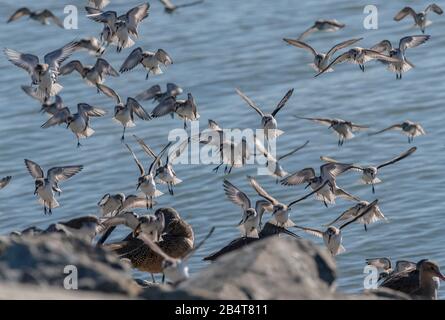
x=34 y=267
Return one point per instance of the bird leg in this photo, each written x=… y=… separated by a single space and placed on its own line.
x=146 y=197
x=185 y=125
x=123 y=135
x=366 y=228
x=163 y=278
x=78 y=143
x=373 y=188
x=146 y=76
x=153 y=278
x=216 y=168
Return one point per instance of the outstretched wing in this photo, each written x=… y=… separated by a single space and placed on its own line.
x=283 y=101
x=163 y=57
x=58 y=174
x=18 y=14
x=34 y=169
x=58 y=118
x=103 y=67
x=4 y=181
x=199 y=245
x=340 y=59
x=150 y=93
x=301 y=44
x=261 y=192
x=314 y=232
x=236 y=195
x=249 y=102
x=55 y=58
x=299 y=177
x=145 y=147
x=132 y=60
x=393 y=127
x=307 y=32
x=70 y=67
x=86 y=109
x=165 y=107
x=404 y=12
x=293 y=151
x=109 y=92
x=340 y=46
x=136 y=108
x=382 y=46
x=155 y=163
x=308 y=195
x=49 y=15
x=412 y=41
x=140 y=167
x=382 y=263
x=135 y=202
x=323 y=121
x=435 y=8
x=398 y=158
x=22 y=60
x=368 y=208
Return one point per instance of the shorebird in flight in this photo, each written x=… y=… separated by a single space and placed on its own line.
x=155 y=93
x=146 y=180
x=328 y=173
x=321 y=60
x=268 y=122
x=169 y=7
x=93 y=75
x=280 y=214
x=408 y=128
x=112 y=204
x=332 y=236
x=44 y=75
x=92 y=45
x=46 y=186
x=403 y=65
x=185 y=109
x=124 y=113
x=43 y=16
x=98 y=4
x=373 y=215
x=151 y=61
x=344 y=129
x=322 y=25
x=369 y=173
x=359 y=56
x=79 y=122
x=420 y=18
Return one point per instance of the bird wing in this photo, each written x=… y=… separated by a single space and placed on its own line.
x=340 y=46
x=163 y=57
x=49 y=15
x=405 y=281
x=293 y=151
x=145 y=147
x=22 y=60
x=301 y=44
x=88 y=110
x=103 y=67
x=165 y=107
x=58 y=118
x=70 y=67
x=153 y=246
x=299 y=177
x=236 y=195
x=323 y=121
x=403 y=265
x=4 y=181
x=214 y=126
x=382 y=46
x=34 y=169
x=398 y=158
x=249 y=102
x=357 y=127
x=150 y=93
x=365 y=211
x=412 y=41
x=141 y=168
x=311 y=231
x=155 y=163
x=395 y=126
x=18 y=14
x=261 y=192
x=135 y=15
x=132 y=60
x=282 y=102
x=346 y=56
x=404 y=12
x=307 y=32
x=137 y=109
x=55 y=58
x=101 y=16
x=382 y=263
x=58 y=174
x=308 y=195
x=331 y=170
x=199 y=245
x=349 y=213
x=372 y=54
x=435 y=8
x=331 y=160
x=109 y=92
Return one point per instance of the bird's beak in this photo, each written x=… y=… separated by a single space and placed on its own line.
x=329 y=238
x=138 y=186
x=307 y=186
x=35 y=191
x=330 y=126
x=241 y=221
x=67 y=125
x=440 y=276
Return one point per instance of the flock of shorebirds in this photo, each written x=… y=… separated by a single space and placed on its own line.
x=163 y=242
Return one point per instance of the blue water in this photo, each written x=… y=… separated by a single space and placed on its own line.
x=216 y=47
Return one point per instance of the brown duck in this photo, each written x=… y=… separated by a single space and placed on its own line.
x=418 y=282
x=177 y=241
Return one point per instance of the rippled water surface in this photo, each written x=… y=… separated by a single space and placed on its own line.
x=219 y=46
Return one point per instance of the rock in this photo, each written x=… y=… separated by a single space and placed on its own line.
x=41 y=259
